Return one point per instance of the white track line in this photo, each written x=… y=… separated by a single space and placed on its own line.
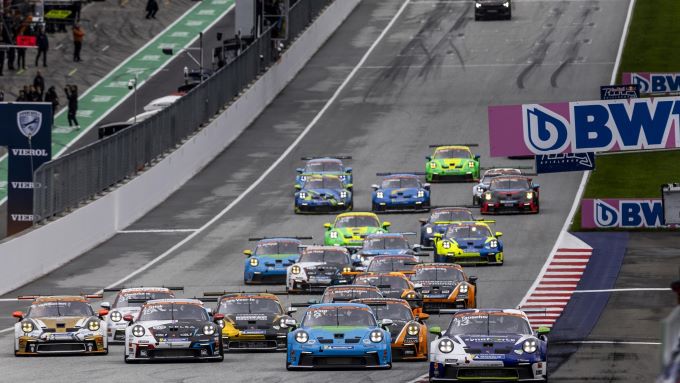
x=624 y=290
x=157 y=231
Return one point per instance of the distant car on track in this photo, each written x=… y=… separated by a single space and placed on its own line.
x=331 y=165
x=400 y=192
x=334 y=294
x=322 y=194
x=469 y=243
x=493 y=8
x=392 y=263
x=511 y=194
x=478 y=190
x=439 y=220
x=318 y=268
x=271 y=258
x=350 y=229
x=444 y=286
x=383 y=244
x=452 y=163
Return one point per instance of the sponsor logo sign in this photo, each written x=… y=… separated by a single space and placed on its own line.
x=618 y=92
x=653 y=83
x=584 y=126
x=612 y=213
x=570 y=162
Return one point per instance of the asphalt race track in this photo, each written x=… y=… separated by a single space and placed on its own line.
x=428 y=81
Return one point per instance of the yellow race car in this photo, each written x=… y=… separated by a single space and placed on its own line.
x=469 y=243
x=60 y=325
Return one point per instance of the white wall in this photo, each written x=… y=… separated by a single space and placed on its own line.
x=41 y=250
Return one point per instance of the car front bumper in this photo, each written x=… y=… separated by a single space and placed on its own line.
x=198 y=350
x=94 y=345
x=509 y=208
x=306 y=358
x=445 y=372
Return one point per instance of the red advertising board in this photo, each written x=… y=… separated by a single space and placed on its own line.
x=26 y=41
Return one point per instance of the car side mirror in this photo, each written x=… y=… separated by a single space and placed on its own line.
x=422 y=221
x=105 y=305
x=291 y=310
x=429 y=158
x=384 y=323
x=349 y=186
x=128 y=318
x=472 y=279
x=300 y=170
x=543 y=330
x=327 y=226
x=248 y=252
x=535 y=186
x=422 y=316
x=218 y=317
x=209 y=311
x=348 y=170
x=375 y=187
x=386 y=224
x=18 y=314
x=298 y=187
x=499 y=234
x=102 y=313
x=426 y=186
x=477 y=156
x=436 y=330
x=289 y=322
x=417 y=247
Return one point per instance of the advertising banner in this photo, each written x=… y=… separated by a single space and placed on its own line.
x=26 y=130
x=584 y=126
x=619 y=92
x=630 y=213
x=653 y=83
x=570 y=162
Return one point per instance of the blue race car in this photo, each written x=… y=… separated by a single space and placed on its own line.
x=340 y=335
x=469 y=243
x=489 y=345
x=322 y=194
x=271 y=258
x=400 y=192
x=439 y=220
x=332 y=166
x=383 y=244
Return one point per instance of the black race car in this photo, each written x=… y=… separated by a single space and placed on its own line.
x=511 y=194
x=493 y=8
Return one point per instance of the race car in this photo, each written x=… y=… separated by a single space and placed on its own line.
x=393 y=285
x=439 y=220
x=322 y=194
x=325 y=166
x=511 y=194
x=392 y=263
x=173 y=329
x=271 y=258
x=340 y=335
x=483 y=184
x=129 y=301
x=452 y=163
x=444 y=286
x=408 y=332
x=334 y=294
x=350 y=229
x=469 y=243
x=400 y=192
x=493 y=8
x=489 y=345
x=318 y=268
x=383 y=244
x=260 y=321
x=60 y=325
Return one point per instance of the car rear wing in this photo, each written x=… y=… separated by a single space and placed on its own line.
x=307 y=158
x=432 y=207
x=438 y=145
x=253 y=239
x=116 y=289
x=384 y=174
x=30 y=297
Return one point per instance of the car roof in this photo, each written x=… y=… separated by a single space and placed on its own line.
x=134 y=290
x=352 y=287
x=357 y=213
x=175 y=300
x=368 y=301
x=339 y=304
x=510 y=177
x=493 y=311
x=249 y=295
x=338 y=249
x=440 y=265
x=395 y=274
x=279 y=239
x=503 y=171
x=401 y=175
x=399 y=257
x=453 y=208
x=469 y=224
x=321 y=176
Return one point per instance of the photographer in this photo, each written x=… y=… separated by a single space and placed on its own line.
x=72 y=97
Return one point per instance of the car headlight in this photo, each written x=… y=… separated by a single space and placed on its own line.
x=446 y=244
x=478 y=5
x=27 y=326
x=302 y=195
x=471 y=164
x=412 y=330
x=411 y=295
x=343 y=194
x=379 y=194
x=376 y=336
x=421 y=193
x=295 y=269
x=346 y=269
x=116 y=316
x=303 y=178
x=301 y=337
x=254 y=262
x=428 y=230
x=433 y=165
x=530 y=346
x=138 y=331
x=463 y=289
x=493 y=244
x=334 y=234
x=342 y=178
x=487 y=196
x=93 y=325
x=506 y=4
x=208 y=329
x=446 y=346
x=530 y=195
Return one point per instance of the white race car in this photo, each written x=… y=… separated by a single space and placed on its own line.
x=318 y=268
x=129 y=301
x=485 y=181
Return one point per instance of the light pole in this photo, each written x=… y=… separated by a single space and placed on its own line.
x=170 y=51
x=132 y=84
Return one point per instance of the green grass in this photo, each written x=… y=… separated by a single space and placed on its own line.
x=652 y=45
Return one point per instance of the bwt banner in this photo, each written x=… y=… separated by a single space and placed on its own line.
x=26 y=130
x=621 y=213
x=653 y=83
x=584 y=126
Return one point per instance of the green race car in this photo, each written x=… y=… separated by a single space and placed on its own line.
x=350 y=229
x=452 y=163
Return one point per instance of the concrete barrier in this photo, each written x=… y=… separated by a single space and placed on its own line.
x=44 y=249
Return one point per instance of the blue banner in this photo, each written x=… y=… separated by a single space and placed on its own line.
x=567 y=162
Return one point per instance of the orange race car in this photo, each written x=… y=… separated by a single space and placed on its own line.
x=408 y=332
x=393 y=285
x=445 y=286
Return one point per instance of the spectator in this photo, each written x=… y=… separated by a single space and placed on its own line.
x=72 y=97
x=151 y=9
x=21 y=96
x=2 y=60
x=39 y=83
x=27 y=93
x=51 y=96
x=43 y=46
x=78 y=35
x=35 y=95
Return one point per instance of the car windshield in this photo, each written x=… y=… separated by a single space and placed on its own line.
x=394 y=311
x=468 y=231
x=357 y=221
x=249 y=305
x=489 y=175
x=338 y=316
x=60 y=309
x=438 y=274
x=488 y=324
x=323 y=166
x=451 y=153
x=277 y=247
x=324 y=183
x=509 y=184
x=382 y=243
x=396 y=183
x=327 y=256
x=451 y=215
x=347 y=294
x=139 y=298
x=173 y=311
x=386 y=264
x=392 y=281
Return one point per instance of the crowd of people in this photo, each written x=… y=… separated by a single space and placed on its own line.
x=36 y=93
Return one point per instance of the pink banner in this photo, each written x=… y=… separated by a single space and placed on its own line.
x=654 y=83
x=611 y=213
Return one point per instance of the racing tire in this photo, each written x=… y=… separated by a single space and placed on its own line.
x=288 y=367
x=129 y=361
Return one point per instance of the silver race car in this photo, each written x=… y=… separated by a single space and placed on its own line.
x=318 y=268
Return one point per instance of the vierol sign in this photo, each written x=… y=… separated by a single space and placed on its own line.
x=654 y=83
x=621 y=213
x=584 y=126
x=26 y=130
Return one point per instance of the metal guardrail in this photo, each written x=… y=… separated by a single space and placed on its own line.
x=66 y=183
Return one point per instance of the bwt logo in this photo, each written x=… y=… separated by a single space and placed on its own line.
x=595 y=126
x=628 y=213
x=656 y=82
